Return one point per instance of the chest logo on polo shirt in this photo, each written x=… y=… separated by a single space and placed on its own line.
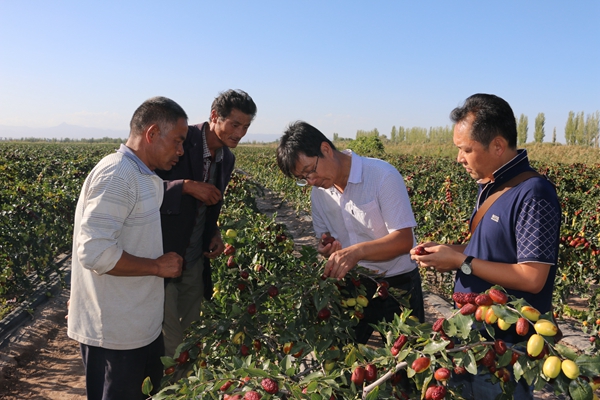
x=495 y=218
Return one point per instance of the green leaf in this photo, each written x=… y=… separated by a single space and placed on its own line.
x=167 y=361
x=504 y=359
x=463 y=324
x=235 y=310
x=288 y=365
x=311 y=377
x=373 y=394
x=565 y=352
x=435 y=347
x=312 y=386
x=580 y=390
x=531 y=370
x=561 y=384
x=367 y=351
x=322 y=346
x=489 y=329
x=257 y=372
x=588 y=365
x=449 y=328
x=147 y=386
x=505 y=313
x=402 y=355
x=351 y=357
x=471 y=364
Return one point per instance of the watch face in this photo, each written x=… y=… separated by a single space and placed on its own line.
x=466 y=269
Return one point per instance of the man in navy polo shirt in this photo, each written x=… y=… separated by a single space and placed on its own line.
x=516 y=243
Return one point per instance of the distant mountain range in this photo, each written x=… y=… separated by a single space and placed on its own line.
x=62 y=131
x=66 y=131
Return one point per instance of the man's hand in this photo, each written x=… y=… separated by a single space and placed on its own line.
x=216 y=246
x=441 y=257
x=327 y=249
x=169 y=265
x=205 y=192
x=340 y=262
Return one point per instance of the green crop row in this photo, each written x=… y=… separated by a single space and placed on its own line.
x=40 y=187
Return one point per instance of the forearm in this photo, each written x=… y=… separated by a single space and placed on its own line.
x=187 y=186
x=386 y=248
x=526 y=277
x=129 y=265
x=203 y=191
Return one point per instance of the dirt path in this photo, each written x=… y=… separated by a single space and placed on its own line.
x=41 y=362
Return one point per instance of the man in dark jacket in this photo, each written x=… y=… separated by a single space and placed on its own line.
x=193 y=198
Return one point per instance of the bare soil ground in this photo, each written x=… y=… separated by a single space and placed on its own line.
x=41 y=362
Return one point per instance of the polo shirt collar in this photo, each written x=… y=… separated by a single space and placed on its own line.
x=127 y=152
x=516 y=165
x=355 y=175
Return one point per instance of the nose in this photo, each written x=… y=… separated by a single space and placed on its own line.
x=311 y=178
x=180 y=150
x=241 y=131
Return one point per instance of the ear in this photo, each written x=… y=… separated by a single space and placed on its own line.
x=214 y=116
x=499 y=145
x=151 y=133
x=325 y=148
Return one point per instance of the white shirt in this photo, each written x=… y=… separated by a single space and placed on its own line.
x=118 y=210
x=374 y=203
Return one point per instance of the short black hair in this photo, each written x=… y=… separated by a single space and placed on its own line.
x=493 y=117
x=233 y=99
x=156 y=110
x=299 y=138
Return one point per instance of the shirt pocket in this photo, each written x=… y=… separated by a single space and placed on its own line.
x=367 y=220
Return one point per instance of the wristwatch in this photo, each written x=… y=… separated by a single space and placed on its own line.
x=465 y=267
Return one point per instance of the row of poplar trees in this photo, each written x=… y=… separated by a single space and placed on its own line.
x=579 y=130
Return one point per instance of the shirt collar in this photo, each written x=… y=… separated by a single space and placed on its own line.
x=355 y=175
x=206 y=154
x=510 y=169
x=127 y=152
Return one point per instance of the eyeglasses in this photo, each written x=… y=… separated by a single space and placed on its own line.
x=303 y=180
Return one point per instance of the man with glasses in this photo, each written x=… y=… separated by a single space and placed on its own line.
x=363 y=204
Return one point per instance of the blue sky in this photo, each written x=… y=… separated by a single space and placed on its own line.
x=339 y=65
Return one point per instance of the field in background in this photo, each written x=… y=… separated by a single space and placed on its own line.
x=559 y=153
x=42 y=183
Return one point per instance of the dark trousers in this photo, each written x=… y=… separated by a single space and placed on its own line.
x=380 y=310
x=118 y=374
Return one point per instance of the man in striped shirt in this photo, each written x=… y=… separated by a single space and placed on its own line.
x=117 y=291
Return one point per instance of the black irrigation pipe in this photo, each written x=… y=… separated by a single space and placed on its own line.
x=53 y=285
